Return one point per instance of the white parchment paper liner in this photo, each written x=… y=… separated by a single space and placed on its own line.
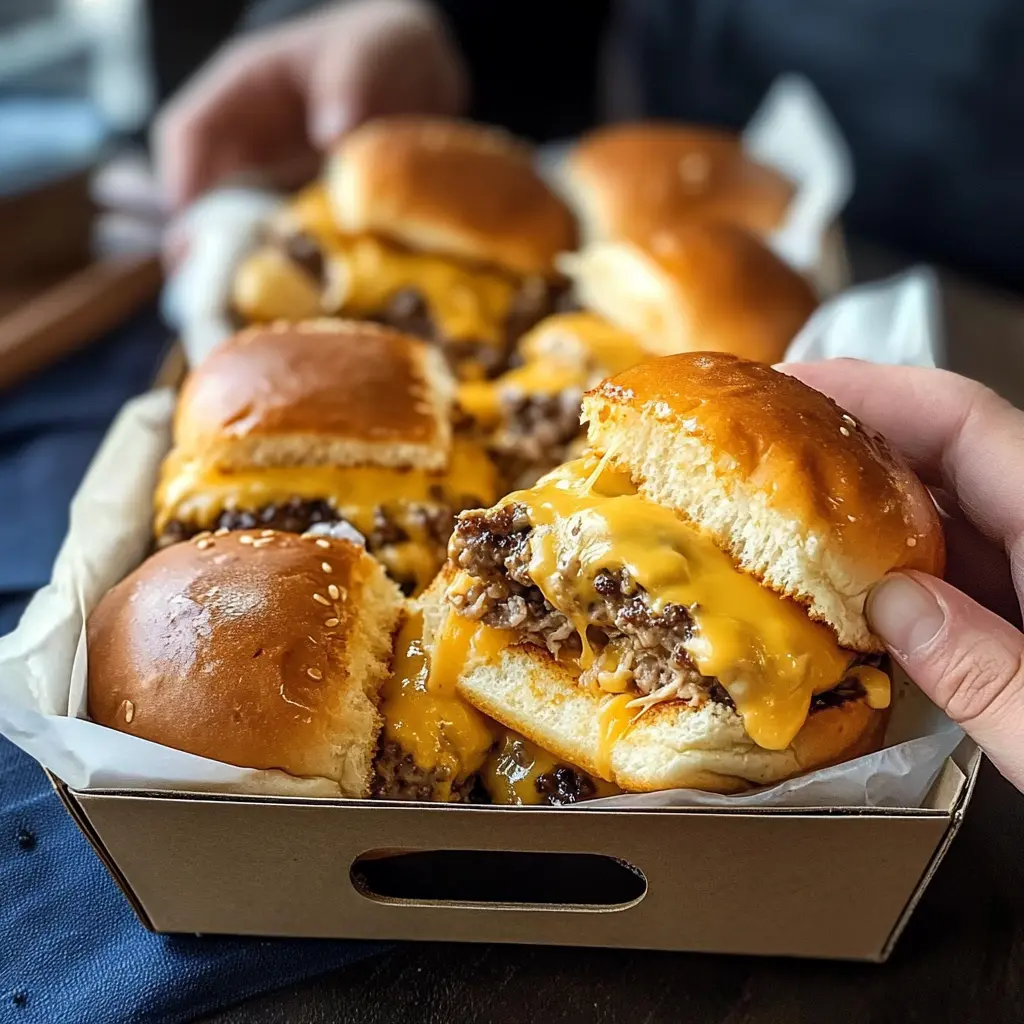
x=43 y=662
x=792 y=131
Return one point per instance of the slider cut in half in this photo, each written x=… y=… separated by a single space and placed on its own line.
x=449 y=233
x=287 y=426
x=257 y=648
x=436 y=746
x=529 y=417
x=697 y=287
x=684 y=606
x=634 y=178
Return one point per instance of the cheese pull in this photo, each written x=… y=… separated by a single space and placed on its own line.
x=770 y=657
x=465 y=303
x=427 y=718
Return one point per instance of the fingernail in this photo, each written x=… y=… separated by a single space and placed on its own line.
x=904 y=614
x=330 y=122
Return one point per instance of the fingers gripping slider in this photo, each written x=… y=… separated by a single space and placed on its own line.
x=290 y=425
x=695 y=287
x=684 y=607
x=256 y=648
x=633 y=179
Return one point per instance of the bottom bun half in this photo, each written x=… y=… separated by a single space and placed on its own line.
x=670 y=746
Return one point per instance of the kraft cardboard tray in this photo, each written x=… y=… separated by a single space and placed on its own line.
x=814 y=882
x=826 y=882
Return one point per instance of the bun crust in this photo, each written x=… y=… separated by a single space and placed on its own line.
x=700 y=286
x=218 y=647
x=321 y=392
x=671 y=746
x=632 y=179
x=812 y=502
x=452 y=188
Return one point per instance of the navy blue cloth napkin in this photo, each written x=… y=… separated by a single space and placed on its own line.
x=71 y=950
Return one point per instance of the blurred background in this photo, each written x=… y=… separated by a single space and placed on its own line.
x=929 y=97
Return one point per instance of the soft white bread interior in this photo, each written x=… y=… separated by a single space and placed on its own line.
x=810 y=501
x=669 y=746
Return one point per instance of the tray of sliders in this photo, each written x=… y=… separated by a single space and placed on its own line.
x=491 y=510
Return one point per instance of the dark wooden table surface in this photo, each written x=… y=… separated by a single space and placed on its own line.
x=960 y=960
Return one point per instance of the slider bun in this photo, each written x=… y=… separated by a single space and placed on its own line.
x=804 y=497
x=698 y=287
x=218 y=648
x=449 y=187
x=322 y=392
x=671 y=746
x=637 y=177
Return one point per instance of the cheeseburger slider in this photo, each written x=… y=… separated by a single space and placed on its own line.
x=684 y=606
x=631 y=179
x=436 y=746
x=450 y=234
x=529 y=417
x=439 y=228
x=287 y=426
x=257 y=648
x=701 y=286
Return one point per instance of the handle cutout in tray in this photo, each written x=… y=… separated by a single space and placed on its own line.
x=582 y=881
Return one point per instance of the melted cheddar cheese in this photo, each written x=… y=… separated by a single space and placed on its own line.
x=427 y=718
x=511 y=772
x=765 y=651
x=465 y=303
x=196 y=491
x=565 y=351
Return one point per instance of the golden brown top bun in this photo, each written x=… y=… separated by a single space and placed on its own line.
x=260 y=649
x=322 y=392
x=632 y=179
x=452 y=188
x=701 y=286
x=812 y=502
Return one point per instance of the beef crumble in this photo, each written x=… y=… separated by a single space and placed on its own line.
x=305 y=251
x=493 y=549
x=432 y=523
x=397 y=777
x=407 y=311
x=535 y=434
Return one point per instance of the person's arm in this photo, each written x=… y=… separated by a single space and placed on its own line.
x=271 y=103
x=963 y=439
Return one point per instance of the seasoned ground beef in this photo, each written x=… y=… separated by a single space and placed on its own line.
x=304 y=250
x=565 y=785
x=398 y=778
x=407 y=311
x=535 y=434
x=494 y=549
x=433 y=523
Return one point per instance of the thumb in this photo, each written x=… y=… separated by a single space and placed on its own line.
x=966 y=659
